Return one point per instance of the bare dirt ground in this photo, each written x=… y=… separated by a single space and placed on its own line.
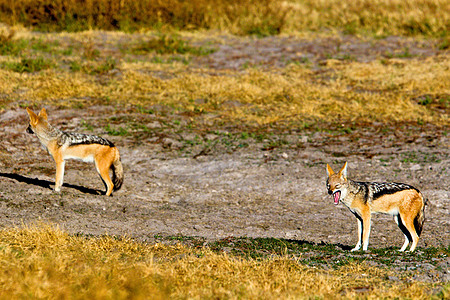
x=236 y=187
x=217 y=182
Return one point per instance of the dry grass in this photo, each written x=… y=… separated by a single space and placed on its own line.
x=80 y=72
x=356 y=92
x=380 y=17
x=242 y=17
x=267 y=17
x=44 y=262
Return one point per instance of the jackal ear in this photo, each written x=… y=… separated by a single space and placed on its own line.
x=329 y=170
x=43 y=113
x=33 y=116
x=343 y=171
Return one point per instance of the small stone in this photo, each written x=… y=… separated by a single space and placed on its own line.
x=154 y=124
x=415 y=167
x=171 y=143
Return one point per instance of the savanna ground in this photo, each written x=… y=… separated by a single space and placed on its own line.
x=224 y=137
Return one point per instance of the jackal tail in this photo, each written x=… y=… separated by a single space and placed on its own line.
x=420 y=219
x=117 y=176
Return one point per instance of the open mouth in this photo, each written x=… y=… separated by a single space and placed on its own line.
x=336 y=197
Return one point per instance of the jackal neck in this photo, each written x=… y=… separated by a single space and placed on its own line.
x=48 y=134
x=359 y=188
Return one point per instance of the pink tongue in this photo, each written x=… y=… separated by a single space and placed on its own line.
x=337 y=195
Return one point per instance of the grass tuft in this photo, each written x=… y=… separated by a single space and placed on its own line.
x=169 y=44
x=9 y=45
x=29 y=65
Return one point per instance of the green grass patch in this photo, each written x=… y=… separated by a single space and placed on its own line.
x=12 y=47
x=119 y=131
x=42 y=45
x=104 y=67
x=29 y=65
x=169 y=44
x=94 y=68
x=312 y=254
x=9 y=45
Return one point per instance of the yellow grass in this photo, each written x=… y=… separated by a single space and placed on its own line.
x=382 y=90
x=381 y=17
x=42 y=261
x=361 y=92
x=266 y=17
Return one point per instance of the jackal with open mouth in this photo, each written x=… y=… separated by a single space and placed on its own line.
x=404 y=202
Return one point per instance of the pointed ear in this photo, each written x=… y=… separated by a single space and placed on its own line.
x=33 y=116
x=329 y=170
x=343 y=171
x=43 y=113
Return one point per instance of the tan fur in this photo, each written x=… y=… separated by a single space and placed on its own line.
x=104 y=157
x=406 y=205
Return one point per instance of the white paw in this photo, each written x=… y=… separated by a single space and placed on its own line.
x=355 y=249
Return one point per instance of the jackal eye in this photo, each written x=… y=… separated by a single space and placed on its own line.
x=337 y=186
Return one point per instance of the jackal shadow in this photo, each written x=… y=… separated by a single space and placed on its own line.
x=48 y=184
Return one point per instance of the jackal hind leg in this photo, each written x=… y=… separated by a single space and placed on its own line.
x=405 y=231
x=103 y=170
x=409 y=225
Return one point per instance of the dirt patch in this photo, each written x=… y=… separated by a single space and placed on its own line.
x=234 y=53
x=236 y=187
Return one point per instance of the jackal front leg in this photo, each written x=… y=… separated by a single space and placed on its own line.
x=360 y=228
x=59 y=175
x=366 y=230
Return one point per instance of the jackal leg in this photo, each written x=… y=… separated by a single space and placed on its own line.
x=366 y=229
x=405 y=231
x=360 y=227
x=409 y=224
x=103 y=170
x=59 y=174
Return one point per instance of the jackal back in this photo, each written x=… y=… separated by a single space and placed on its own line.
x=375 y=190
x=75 y=139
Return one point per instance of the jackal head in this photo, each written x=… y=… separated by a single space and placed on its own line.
x=337 y=184
x=37 y=122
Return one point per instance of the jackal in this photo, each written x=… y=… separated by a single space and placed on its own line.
x=404 y=202
x=88 y=148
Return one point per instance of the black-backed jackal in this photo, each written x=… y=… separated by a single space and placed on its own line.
x=88 y=148
x=400 y=200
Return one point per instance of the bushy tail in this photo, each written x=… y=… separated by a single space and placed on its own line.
x=117 y=176
x=420 y=219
